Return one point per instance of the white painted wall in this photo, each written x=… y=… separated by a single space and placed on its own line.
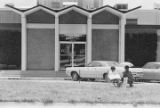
x=145 y=17
x=73 y=29
x=7 y=16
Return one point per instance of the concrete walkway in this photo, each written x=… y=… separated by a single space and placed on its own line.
x=37 y=105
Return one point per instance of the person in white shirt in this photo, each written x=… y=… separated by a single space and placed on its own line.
x=114 y=77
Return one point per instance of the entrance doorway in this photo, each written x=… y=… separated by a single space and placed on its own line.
x=72 y=54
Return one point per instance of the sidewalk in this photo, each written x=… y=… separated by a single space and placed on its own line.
x=25 y=105
x=33 y=75
x=35 y=78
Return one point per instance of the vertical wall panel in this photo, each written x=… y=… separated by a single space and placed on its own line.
x=7 y=16
x=41 y=47
x=105 y=45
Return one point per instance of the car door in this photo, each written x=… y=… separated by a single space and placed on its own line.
x=91 y=70
x=87 y=72
x=99 y=71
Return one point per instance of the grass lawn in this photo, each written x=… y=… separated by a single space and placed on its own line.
x=51 y=91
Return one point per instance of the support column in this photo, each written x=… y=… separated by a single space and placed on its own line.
x=57 y=55
x=89 y=40
x=23 y=43
x=158 y=46
x=122 y=39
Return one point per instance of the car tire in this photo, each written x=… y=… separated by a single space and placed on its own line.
x=92 y=79
x=75 y=76
x=106 y=77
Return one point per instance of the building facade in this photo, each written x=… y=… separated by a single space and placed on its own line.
x=41 y=38
x=45 y=39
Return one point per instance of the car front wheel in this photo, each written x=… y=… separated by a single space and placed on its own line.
x=75 y=76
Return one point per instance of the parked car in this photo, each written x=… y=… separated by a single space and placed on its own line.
x=151 y=71
x=136 y=72
x=3 y=66
x=152 y=65
x=96 y=70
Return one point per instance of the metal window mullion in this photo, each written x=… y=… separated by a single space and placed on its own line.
x=72 y=54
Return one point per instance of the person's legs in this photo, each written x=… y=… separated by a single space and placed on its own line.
x=118 y=82
x=122 y=79
x=131 y=84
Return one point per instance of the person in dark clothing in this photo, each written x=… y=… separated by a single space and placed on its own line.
x=129 y=75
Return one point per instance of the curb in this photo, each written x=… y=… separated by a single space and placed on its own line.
x=35 y=78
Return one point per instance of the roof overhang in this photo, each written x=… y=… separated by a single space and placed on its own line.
x=109 y=9
x=31 y=10
x=39 y=8
x=16 y=10
x=78 y=9
x=75 y=8
x=132 y=10
x=114 y=11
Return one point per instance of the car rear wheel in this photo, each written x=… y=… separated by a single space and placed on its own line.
x=75 y=76
x=106 y=78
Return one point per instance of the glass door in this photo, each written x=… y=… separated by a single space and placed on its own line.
x=72 y=55
x=79 y=55
x=72 y=50
x=65 y=55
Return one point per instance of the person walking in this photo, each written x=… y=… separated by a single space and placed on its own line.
x=127 y=74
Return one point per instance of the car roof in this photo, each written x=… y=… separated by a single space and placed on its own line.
x=153 y=63
x=126 y=63
x=105 y=62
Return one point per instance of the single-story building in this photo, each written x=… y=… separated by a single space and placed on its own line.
x=41 y=38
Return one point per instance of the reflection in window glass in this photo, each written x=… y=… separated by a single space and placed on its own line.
x=72 y=37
